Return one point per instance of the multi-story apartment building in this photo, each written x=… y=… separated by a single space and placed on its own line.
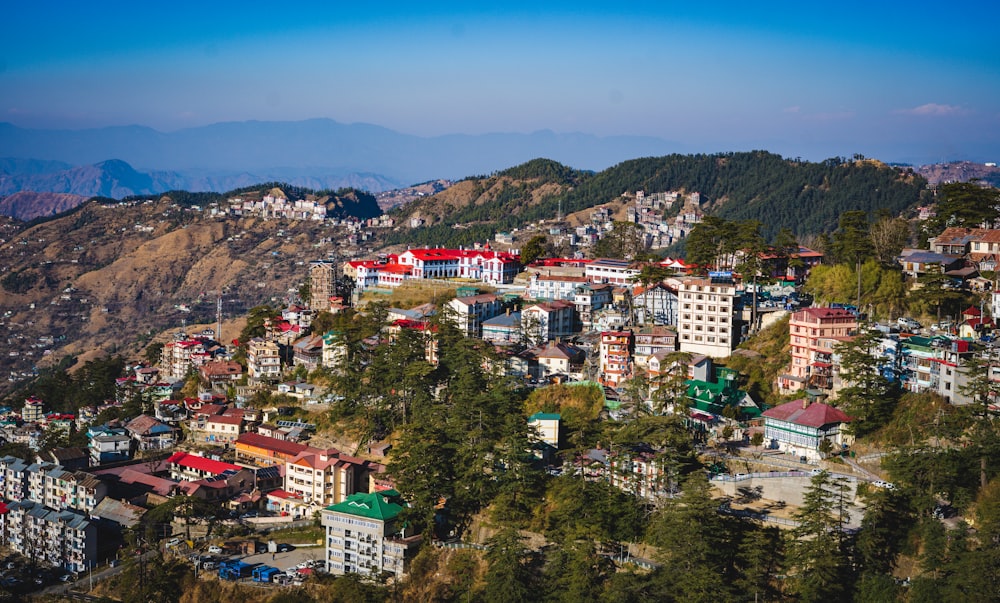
x=46 y=512
x=33 y=411
x=935 y=364
x=615 y=357
x=588 y=299
x=323 y=477
x=76 y=490
x=471 y=311
x=637 y=470
x=322 y=283
x=813 y=334
x=650 y=340
x=364 y=536
x=706 y=320
x=547 y=321
x=179 y=357
x=263 y=360
x=63 y=538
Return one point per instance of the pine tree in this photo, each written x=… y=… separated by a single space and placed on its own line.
x=820 y=552
x=509 y=578
x=694 y=543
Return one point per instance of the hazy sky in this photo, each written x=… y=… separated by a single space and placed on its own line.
x=887 y=79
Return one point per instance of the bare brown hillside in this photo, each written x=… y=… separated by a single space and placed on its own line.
x=105 y=275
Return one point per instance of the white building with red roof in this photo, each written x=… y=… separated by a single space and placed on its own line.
x=186 y=466
x=486 y=265
x=798 y=427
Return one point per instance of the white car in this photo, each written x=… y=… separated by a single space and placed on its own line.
x=173 y=542
x=215 y=549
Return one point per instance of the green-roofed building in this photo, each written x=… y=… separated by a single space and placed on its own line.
x=714 y=396
x=364 y=536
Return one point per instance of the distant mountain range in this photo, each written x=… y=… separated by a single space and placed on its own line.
x=323 y=151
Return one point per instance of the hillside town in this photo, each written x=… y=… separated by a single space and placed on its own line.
x=240 y=438
x=602 y=323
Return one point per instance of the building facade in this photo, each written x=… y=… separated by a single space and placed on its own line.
x=706 y=320
x=364 y=536
x=813 y=334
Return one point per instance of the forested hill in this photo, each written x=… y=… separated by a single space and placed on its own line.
x=806 y=197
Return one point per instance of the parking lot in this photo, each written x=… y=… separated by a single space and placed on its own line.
x=283 y=561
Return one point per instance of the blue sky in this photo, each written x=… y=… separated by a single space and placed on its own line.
x=889 y=80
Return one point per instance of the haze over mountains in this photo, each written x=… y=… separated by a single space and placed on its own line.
x=324 y=153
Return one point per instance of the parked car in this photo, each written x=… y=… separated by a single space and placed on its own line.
x=908 y=323
x=173 y=542
x=284 y=548
x=215 y=549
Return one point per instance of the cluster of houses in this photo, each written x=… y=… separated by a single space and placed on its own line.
x=68 y=507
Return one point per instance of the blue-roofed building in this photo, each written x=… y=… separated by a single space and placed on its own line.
x=503 y=330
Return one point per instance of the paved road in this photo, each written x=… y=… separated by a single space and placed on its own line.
x=85 y=581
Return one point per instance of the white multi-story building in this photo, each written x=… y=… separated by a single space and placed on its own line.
x=263 y=360
x=706 y=320
x=364 y=536
x=180 y=357
x=589 y=299
x=656 y=305
x=604 y=270
x=470 y=312
x=547 y=321
x=547 y=287
x=493 y=267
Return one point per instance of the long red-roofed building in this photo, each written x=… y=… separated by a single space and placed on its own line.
x=486 y=265
x=193 y=467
